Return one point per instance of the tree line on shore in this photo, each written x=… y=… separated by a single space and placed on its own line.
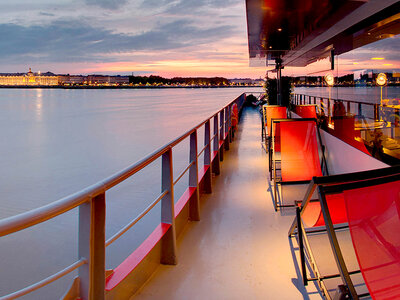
x=153 y=79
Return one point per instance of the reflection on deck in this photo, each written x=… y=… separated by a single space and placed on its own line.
x=240 y=248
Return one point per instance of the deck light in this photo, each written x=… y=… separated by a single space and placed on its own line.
x=377 y=58
x=381 y=79
x=329 y=79
x=279 y=29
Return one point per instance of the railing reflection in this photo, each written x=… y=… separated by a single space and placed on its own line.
x=370 y=127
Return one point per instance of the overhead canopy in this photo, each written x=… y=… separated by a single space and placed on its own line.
x=303 y=31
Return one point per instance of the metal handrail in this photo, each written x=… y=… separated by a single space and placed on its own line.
x=183 y=172
x=97 y=192
x=202 y=150
x=343 y=100
x=133 y=222
x=45 y=281
x=303 y=98
x=27 y=219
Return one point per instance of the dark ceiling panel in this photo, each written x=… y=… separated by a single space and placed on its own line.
x=300 y=32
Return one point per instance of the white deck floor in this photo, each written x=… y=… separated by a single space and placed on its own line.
x=240 y=248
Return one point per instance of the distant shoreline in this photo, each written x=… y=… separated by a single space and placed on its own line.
x=118 y=87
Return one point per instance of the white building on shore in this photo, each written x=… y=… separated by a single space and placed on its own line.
x=29 y=78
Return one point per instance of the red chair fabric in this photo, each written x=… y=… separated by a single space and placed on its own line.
x=275 y=112
x=313 y=215
x=277 y=137
x=299 y=151
x=374 y=221
x=306 y=111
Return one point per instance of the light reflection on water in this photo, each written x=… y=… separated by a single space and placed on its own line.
x=56 y=142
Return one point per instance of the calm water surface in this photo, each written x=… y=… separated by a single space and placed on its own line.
x=55 y=142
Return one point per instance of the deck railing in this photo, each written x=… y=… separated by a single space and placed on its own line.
x=372 y=111
x=377 y=125
x=92 y=206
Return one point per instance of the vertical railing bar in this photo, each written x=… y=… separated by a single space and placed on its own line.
x=207 y=157
x=168 y=243
x=194 y=205
x=216 y=161
x=221 y=133
x=92 y=247
x=226 y=135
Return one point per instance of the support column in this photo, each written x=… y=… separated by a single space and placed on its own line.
x=92 y=247
x=194 y=204
x=207 y=158
x=278 y=67
x=221 y=132
x=226 y=133
x=216 y=161
x=168 y=243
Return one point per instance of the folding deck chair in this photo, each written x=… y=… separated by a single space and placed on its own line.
x=297 y=157
x=271 y=112
x=308 y=111
x=354 y=249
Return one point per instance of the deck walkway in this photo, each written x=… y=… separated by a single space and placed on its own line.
x=240 y=248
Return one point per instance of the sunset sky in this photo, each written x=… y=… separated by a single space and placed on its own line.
x=164 y=37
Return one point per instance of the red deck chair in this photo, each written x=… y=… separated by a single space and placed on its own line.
x=368 y=203
x=299 y=159
x=374 y=222
x=305 y=111
x=272 y=112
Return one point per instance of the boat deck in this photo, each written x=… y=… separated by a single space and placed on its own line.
x=240 y=248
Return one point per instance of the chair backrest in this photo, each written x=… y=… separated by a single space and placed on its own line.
x=373 y=212
x=306 y=111
x=299 y=150
x=312 y=215
x=274 y=112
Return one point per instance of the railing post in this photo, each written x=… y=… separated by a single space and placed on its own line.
x=168 y=243
x=92 y=221
x=226 y=134
x=329 y=109
x=194 y=205
x=207 y=158
x=359 y=109
x=221 y=133
x=216 y=161
x=376 y=112
x=230 y=133
x=315 y=100
x=348 y=107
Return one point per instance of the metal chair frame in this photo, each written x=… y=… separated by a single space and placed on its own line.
x=327 y=185
x=274 y=160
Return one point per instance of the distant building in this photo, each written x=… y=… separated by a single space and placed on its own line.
x=107 y=80
x=71 y=79
x=29 y=78
x=247 y=81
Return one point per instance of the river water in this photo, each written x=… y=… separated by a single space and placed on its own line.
x=55 y=142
